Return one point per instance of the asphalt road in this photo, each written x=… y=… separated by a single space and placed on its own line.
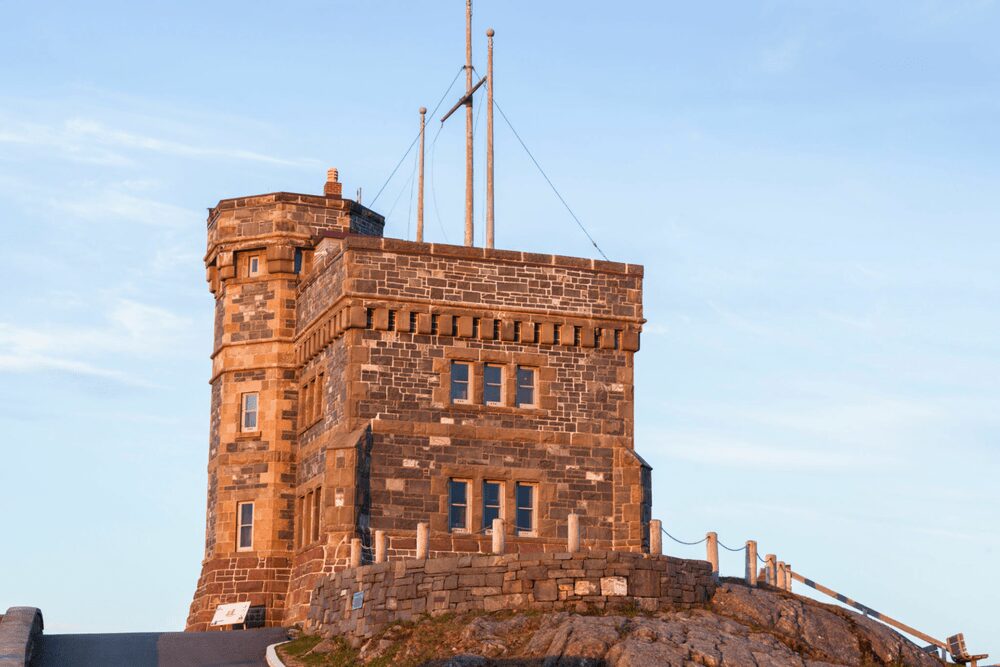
x=239 y=648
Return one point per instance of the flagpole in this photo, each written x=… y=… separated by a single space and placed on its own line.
x=468 y=123
x=489 y=138
x=420 y=191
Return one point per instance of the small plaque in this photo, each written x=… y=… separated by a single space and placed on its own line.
x=614 y=586
x=230 y=614
x=357 y=600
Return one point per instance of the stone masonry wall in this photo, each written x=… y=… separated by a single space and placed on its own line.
x=585 y=581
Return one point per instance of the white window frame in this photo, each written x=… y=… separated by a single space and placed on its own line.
x=534 y=386
x=240 y=525
x=500 y=368
x=253 y=265
x=452 y=382
x=534 y=510
x=468 y=505
x=488 y=529
x=244 y=412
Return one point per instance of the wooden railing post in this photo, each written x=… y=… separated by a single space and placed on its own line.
x=573 y=533
x=379 y=546
x=712 y=552
x=782 y=581
x=771 y=562
x=355 y=552
x=499 y=539
x=422 y=534
x=751 y=565
x=655 y=537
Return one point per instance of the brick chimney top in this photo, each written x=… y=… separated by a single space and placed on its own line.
x=333 y=187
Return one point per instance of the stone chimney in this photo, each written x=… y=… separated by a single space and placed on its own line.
x=333 y=187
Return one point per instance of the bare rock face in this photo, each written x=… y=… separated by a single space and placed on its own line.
x=742 y=627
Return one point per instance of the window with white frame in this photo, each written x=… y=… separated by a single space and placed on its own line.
x=524 y=500
x=525 y=394
x=248 y=416
x=460 y=372
x=458 y=505
x=244 y=516
x=492 y=502
x=492 y=384
x=253 y=265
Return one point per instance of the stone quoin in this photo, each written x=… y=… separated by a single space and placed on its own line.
x=363 y=384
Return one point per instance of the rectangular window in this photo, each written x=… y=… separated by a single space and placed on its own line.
x=459 y=382
x=618 y=339
x=434 y=325
x=496 y=329
x=249 y=416
x=525 y=387
x=318 y=397
x=524 y=497
x=244 y=516
x=298 y=260
x=392 y=320
x=369 y=318
x=492 y=499
x=316 y=515
x=556 y=334
x=458 y=505
x=597 y=336
x=475 y=327
x=413 y=323
x=517 y=332
x=577 y=336
x=253 y=265
x=492 y=384
x=299 y=522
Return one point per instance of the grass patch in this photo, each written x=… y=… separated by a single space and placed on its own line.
x=336 y=652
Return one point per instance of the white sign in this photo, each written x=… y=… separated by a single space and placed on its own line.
x=357 y=600
x=614 y=586
x=230 y=614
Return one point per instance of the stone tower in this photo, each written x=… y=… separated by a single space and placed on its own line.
x=362 y=383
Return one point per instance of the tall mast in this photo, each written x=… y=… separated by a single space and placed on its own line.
x=468 y=123
x=420 y=190
x=489 y=138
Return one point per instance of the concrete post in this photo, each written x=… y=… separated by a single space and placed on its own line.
x=499 y=538
x=423 y=531
x=379 y=546
x=772 y=566
x=781 y=580
x=655 y=537
x=573 y=533
x=712 y=552
x=355 y=552
x=751 y=566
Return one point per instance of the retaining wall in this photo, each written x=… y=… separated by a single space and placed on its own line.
x=593 y=580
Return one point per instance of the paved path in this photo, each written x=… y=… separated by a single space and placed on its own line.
x=240 y=648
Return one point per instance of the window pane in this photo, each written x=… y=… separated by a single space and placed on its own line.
x=490 y=513
x=491 y=494
x=524 y=521
x=246 y=514
x=525 y=386
x=492 y=383
x=459 y=382
x=456 y=517
x=523 y=496
x=457 y=492
x=246 y=535
x=492 y=374
x=251 y=402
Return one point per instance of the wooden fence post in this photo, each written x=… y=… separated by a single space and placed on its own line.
x=751 y=566
x=771 y=562
x=712 y=549
x=355 y=552
x=782 y=580
x=499 y=539
x=655 y=537
x=573 y=533
x=422 y=534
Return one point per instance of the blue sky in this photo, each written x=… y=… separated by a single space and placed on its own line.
x=812 y=188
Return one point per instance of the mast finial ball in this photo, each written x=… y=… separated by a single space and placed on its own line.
x=489 y=32
x=423 y=110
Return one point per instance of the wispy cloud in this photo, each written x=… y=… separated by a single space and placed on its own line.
x=90 y=141
x=112 y=203
x=130 y=328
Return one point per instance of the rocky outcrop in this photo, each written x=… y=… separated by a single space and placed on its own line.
x=740 y=627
